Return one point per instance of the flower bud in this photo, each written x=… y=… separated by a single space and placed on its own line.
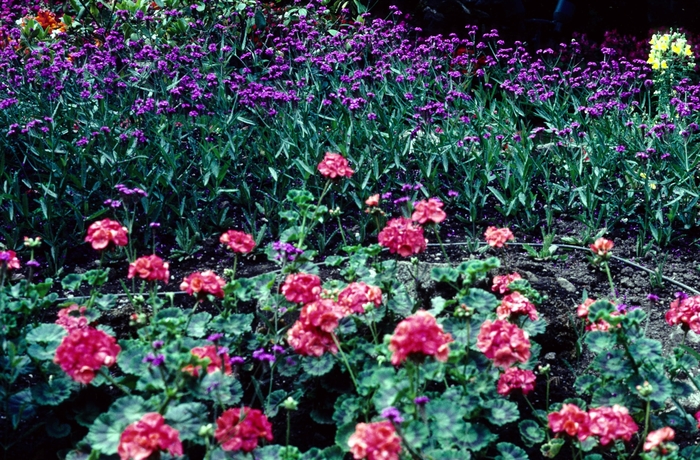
x=290 y=403
x=206 y=430
x=645 y=390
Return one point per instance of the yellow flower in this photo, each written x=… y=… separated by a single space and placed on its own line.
x=643 y=175
x=652 y=186
x=664 y=64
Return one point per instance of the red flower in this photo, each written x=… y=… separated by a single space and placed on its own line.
x=238 y=241
x=103 y=232
x=582 y=309
x=10 y=259
x=355 y=296
x=428 y=211
x=697 y=418
x=402 y=236
x=150 y=268
x=240 y=428
x=375 y=441
x=72 y=317
x=601 y=324
x=149 y=436
x=503 y=342
x=501 y=282
x=311 y=334
x=516 y=304
x=334 y=165
x=514 y=379
x=602 y=247
x=372 y=200
x=218 y=359
x=686 y=312
x=571 y=420
x=497 y=237
x=419 y=334
x=656 y=438
x=206 y=282
x=611 y=423
x=83 y=351
x=302 y=288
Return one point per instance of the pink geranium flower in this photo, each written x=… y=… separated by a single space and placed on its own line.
x=611 y=423
x=147 y=437
x=238 y=241
x=372 y=200
x=150 y=268
x=72 y=317
x=217 y=357
x=497 y=237
x=516 y=379
x=503 y=342
x=312 y=333
x=402 y=236
x=685 y=311
x=9 y=258
x=335 y=165
x=375 y=441
x=355 y=296
x=516 y=304
x=571 y=420
x=84 y=351
x=656 y=439
x=103 y=232
x=501 y=282
x=302 y=288
x=206 y=282
x=242 y=428
x=428 y=212
x=602 y=247
x=419 y=336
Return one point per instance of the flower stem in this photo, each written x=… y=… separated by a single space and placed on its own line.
x=111 y=380
x=345 y=360
x=610 y=280
x=442 y=246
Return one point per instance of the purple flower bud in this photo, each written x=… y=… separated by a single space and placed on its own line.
x=392 y=414
x=421 y=400
x=653 y=297
x=236 y=360
x=157 y=344
x=214 y=337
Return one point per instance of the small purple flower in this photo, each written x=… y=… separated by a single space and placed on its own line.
x=421 y=400
x=403 y=199
x=386 y=196
x=33 y=263
x=277 y=349
x=452 y=194
x=154 y=225
x=620 y=148
x=653 y=297
x=214 y=337
x=392 y=414
x=262 y=355
x=154 y=360
x=234 y=360
x=157 y=344
x=680 y=296
x=222 y=351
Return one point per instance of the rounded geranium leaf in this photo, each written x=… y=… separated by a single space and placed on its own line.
x=347 y=409
x=510 y=451
x=499 y=411
x=484 y=303
x=599 y=341
x=318 y=366
x=53 y=392
x=477 y=437
x=44 y=340
x=188 y=418
x=106 y=431
x=614 y=364
x=531 y=432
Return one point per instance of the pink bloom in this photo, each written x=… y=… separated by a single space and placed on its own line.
x=697 y=418
x=10 y=259
x=372 y=200
x=686 y=312
x=501 y=282
x=656 y=438
x=571 y=420
x=355 y=296
x=238 y=241
x=334 y=165
x=611 y=423
x=503 y=342
x=582 y=309
x=602 y=247
x=150 y=268
x=103 y=232
x=302 y=288
x=149 y=436
x=601 y=324
x=428 y=211
x=218 y=359
x=402 y=236
x=240 y=429
x=497 y=237
x=72 y=317
x=84 y=351
x=516 y=379
x=516 y=304
x=375 y=441
x=421 y=335
x=312 y=333
x=200 y=284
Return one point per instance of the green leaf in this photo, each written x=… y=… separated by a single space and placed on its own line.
x=552 y=448
x=509 y=451
x=55 y=428
x=198 y=324
x=445 y=274
x=105 y=432
x=188 y=418
x=21 y=406
x=647 y=351
x=484 y=303
x=233 y=325
x=500 y=411
x=600 y=309
x=131 y=357
x=347 y=409
x=273 y=402
x=106 y=302
x=318 y=366
x=400 y=303
x=447 y=454
x=534 y=328
x=477 y=437
x=44 y=340
x=416 y=433
x=614 y=364
x=662 y=388
x=387 y=394
x=599 y=341
x=342 y=435
x=329 y=453
x=531 y=432
x=220 y=388
x=334 y=261
x=586 y=383
x=72 y=282
x=609 y=395
x=53 y=392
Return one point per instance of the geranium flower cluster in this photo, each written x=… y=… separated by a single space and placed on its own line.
x=403 y=236
x=147 y=437
x=428 y=212
x=9 y=260
x=419 y=336
x=217 y=359
x=498 y=237
x=516 y=379
x=105 y=232
x=150 y=268
x=375 y=441
x=516 y=304
x=312 y=333
x=302 y=288
x=84 y=351
x=238 y=241
x=201 y=284
x=334 y=166
x=72 y=317
x=602 y=247
x=685 y=311
x=501 y=282
x=601 y=324
x=355 y=296
x=606 y=423
x=503 y=342
x=242 y=428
